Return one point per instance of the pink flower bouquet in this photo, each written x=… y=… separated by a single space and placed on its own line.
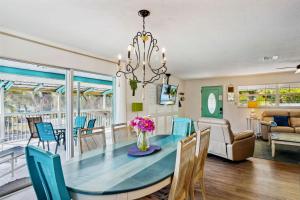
x=143 y=125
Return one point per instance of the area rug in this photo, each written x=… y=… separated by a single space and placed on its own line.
x=283 y=153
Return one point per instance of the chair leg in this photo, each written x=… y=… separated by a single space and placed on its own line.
x=48 y=145
x=192 y=191
x=29 y=140
x=56 y=147
x=64 y=141
x=43 y=145
x=39 y=143
x=202 y=188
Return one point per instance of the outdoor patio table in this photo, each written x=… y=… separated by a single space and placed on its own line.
x=60 y=131
x=113 y=174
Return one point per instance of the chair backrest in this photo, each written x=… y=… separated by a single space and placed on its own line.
x=91 y=125
x=122 y=133
x=45 y=131
x=182 y=126
x=90 y=141
x=80 y=121
x=202 y=143
x=220 y=129
x=183 y=169
x=46 y=174
x=31 y=124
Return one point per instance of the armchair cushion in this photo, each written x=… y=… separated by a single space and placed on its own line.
x=243 y=135
x=266 y=123
x=297 y=129
x=295 y=121
x=285 y=129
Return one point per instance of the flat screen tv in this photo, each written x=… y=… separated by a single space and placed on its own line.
x=167 y=94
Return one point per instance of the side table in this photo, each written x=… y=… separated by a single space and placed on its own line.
x=254 y=124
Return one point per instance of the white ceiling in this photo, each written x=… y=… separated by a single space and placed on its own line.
x=203 y=38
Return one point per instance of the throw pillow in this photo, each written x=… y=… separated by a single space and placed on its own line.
x=281 y=120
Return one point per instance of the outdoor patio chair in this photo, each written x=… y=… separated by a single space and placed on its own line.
x=46 y=134
x=90 y=126
x=46 y=174
x=31 y=123
x=79 y=123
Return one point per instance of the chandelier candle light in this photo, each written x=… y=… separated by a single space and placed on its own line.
x=142 y=46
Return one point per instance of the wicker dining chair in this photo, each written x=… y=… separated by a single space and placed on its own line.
x=122 y=133
x=202 y=144
x=91 y=138
x=31 y=124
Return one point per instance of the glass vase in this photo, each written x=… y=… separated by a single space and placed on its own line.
x=143 y=142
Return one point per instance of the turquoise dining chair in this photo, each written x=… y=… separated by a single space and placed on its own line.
x=46 y=134
x=46 y=174
x=182 y=126
x=91 y=125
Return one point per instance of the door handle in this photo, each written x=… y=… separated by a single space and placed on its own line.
x=221 y=110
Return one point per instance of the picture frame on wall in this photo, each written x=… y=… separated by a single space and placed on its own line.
x=230 y=93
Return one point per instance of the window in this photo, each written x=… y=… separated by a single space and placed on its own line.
x=272 y=95
x=289 y=94
x=265 y=95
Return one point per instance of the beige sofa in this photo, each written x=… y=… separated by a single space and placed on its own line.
x=268 y=116
x=223 y=142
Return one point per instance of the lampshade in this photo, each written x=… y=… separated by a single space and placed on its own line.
x=137 y=107
x=252 y=104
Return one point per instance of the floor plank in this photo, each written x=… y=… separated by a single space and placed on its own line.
x=251 y=179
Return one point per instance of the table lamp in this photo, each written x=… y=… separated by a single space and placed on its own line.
x=252 y=105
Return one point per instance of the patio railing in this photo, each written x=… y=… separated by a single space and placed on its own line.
x=16 y=126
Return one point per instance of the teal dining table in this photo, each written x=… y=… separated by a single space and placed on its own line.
x=111 y=174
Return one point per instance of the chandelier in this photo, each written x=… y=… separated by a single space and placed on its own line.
x=140 y=69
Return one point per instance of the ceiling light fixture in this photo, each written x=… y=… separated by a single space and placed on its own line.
x=266 y=58
x=142 y=46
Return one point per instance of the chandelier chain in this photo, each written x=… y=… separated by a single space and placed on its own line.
x=143 y=53
x=143 y=24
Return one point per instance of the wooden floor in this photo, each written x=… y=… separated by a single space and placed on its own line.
x=255 y=179
x=252 y=179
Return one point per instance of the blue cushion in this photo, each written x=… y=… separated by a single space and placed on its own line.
x=281 y=120
x=273 y=124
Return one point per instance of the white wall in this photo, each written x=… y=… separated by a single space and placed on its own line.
x=161 y=114
x=236 y=115
x=16 y=48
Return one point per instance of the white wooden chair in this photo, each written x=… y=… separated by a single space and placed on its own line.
x=202 y=143
x=122 y=133
x=180 y=186
x=91 y=138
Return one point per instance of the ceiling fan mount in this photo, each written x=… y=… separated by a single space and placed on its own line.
x=297 y=68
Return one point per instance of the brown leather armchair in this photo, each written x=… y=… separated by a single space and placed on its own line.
x=225 y=143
